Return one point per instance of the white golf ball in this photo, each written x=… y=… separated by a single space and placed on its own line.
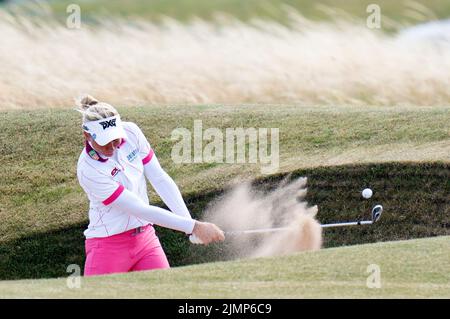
x=367 y=193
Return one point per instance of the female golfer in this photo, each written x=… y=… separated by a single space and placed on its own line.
x=111 y=170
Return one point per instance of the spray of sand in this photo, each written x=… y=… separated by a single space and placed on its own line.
x=244 y=207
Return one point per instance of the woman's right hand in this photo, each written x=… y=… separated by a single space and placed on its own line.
x=207 y=232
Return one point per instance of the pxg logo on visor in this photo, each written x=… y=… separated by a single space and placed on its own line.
x=107 y=124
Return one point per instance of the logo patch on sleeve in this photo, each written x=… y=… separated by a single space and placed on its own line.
x=132 y=156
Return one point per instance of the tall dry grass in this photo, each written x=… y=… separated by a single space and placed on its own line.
x=45 y=64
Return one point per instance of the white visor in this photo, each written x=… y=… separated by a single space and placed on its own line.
x=105 y=130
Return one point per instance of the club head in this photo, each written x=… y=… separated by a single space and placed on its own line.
x=376 y=213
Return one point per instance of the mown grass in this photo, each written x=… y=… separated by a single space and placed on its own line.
x=40 y=149
x=43 y=209
x=415 y=198
x=408 y=269
x=403 y=12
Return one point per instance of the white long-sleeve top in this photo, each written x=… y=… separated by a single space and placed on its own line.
x=117 y=189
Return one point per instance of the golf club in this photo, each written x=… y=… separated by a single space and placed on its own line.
x=377 y=210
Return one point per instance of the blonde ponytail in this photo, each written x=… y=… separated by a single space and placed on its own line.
x=85 y=101
x=92 y=109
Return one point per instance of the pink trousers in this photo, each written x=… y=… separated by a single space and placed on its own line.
x=134 y=250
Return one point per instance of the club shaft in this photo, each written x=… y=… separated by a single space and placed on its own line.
x=256 y=231
x=362 y=222
x=271 y=230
